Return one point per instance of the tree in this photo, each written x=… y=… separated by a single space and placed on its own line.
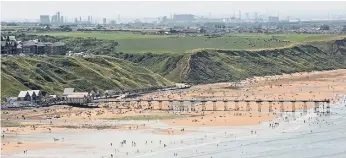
x=66 y=28
x=324 y=27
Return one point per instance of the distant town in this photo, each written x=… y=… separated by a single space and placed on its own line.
x=185 y=23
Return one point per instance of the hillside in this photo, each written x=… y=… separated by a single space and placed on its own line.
x=225 y=65
x=140 y=70
x=53 y=74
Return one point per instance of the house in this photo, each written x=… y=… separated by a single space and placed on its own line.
x=58 y=48
x=51 y=99
x=24 y=96
x=30 y=95
x=36 y=95
x=8 y=45
x=29 y=47
x=78 y=98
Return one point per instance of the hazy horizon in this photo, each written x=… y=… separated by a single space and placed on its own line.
x=130 y=10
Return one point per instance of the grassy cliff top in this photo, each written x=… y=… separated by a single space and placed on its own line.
x=137 y=43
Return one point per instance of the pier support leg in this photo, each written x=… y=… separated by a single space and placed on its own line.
x=236 y=108
x=192 y=106
x=214 y=106
x=282 y=109
x=138 y=106
x=328 y=108
x=270 y=106
x=248 y=108
x=225 y=107
x=150 y=105
x=316 y=108
x=259 y=107
x=170 y=105
x=293 y=109
x=160 y=105
x=181 y=107
x=203 y=106
x=305 y=108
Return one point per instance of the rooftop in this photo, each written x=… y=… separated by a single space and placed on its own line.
x=68 y=91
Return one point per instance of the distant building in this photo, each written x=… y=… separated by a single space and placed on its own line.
x=273 y=19
x=54 y=19
x=58 y=48
x=61 y=20
x=184 y=17
x=137 y=21
x=104 y=21
x=44 y=19
x=58 y=17
x=113 y=22
x=164 y=19
x=10 y=46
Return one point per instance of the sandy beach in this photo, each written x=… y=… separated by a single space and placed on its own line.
x=312 y=85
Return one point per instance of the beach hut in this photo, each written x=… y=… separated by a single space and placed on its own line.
x=24 y=96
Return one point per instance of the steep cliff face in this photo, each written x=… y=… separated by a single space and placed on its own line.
x=224 y=65
x=171 y=66
x=220 y=66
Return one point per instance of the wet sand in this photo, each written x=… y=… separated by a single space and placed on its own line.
x=10 y=147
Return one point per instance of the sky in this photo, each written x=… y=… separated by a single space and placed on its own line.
x=130 y=10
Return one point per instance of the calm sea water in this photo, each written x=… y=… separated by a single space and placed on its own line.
x=320 y=136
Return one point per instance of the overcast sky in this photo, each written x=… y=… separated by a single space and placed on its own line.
x=131 y=10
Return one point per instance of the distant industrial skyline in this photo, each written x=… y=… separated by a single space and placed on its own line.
x=129 y=11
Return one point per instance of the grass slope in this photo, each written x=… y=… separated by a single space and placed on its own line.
x=53 y=74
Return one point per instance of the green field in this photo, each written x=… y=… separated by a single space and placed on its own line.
x=133 y=43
